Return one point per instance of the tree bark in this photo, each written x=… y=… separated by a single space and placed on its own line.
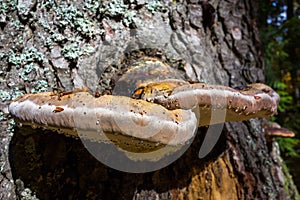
x=215 y=42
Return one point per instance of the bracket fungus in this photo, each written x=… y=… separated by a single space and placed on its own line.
x=279 y=132
x=239 y=104
x=109 y=114
x=161 y=112
x=272 y=129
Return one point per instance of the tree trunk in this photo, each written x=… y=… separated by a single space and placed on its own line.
x=47 y=45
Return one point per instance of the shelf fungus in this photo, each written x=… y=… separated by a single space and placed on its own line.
x=237 y=104
x=273 y=130
x=115 y=116
x=166 y=119
x=161 y=112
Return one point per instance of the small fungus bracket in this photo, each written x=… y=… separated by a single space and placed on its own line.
x=274 y=130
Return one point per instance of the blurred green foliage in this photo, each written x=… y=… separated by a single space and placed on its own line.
x=280 y=33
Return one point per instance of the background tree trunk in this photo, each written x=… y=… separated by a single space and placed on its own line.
x=50 y=44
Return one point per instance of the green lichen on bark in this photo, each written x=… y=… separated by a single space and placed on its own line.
x=289 y=185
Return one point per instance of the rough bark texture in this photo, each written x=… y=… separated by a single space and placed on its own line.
x=46 y=45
